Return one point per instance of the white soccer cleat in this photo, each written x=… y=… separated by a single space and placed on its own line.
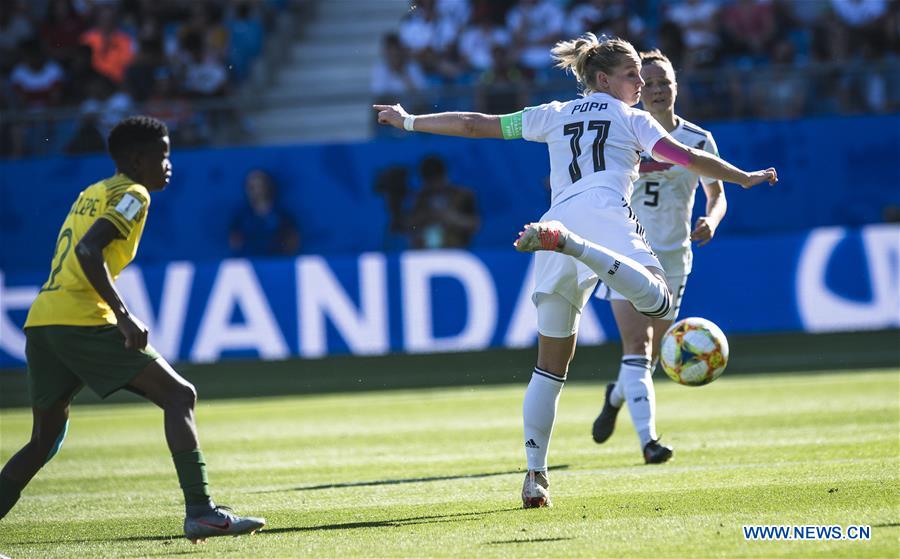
x=220 y=521
x=536 y=490
x=542 y=235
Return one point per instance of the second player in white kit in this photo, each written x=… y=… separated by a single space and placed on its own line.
x=663 y=199
x=590 y=231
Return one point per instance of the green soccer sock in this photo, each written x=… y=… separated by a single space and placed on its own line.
x=191 y=468
x=10 y=491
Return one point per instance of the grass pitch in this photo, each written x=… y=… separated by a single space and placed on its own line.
x=437 y=472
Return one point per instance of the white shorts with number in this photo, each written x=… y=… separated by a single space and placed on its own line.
x=677 y=262
x=602 y=217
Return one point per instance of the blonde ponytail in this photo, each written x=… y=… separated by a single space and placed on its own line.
x=587 y=55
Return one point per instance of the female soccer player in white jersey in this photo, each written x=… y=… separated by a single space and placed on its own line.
x=594 y=143
x=663 y=198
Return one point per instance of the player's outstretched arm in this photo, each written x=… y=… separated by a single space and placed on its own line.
x=89 y=252
x=708 y=165
x=467 y=125
x=716 y=206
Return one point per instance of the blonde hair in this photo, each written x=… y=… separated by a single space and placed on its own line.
x=587 y=55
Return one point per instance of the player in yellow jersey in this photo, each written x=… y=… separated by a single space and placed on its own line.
x=79 y=331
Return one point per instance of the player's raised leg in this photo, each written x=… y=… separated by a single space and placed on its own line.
x=48 y=430
x=645 y=287
x=160 y=384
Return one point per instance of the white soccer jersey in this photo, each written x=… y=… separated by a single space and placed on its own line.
x=594 y=141
x=663 y=196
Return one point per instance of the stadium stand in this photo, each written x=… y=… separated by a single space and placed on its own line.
x=282 y=71
x=70 y=67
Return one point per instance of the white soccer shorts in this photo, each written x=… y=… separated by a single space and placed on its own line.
x=602 y=217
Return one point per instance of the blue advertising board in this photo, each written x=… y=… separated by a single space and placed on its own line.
x=833 y=171
x=824 y=280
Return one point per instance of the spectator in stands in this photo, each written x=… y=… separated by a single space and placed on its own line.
x=395 y=76
x=166 y=103
x=455 y=12
x=113 y=49
x=671 y=42
x=36 y=84
x=260 y=228
x=502 y=88
x=430 y=40
x=245 y=30
x=141 y=75
x=204 y=74
x=205 y=21
x=611 y=17
x=37 y=81
x=535 y=25
x=862 y=16
x=830 y=40
x=61 y=30
x=80 y=75
x=780 y=91
x=749 y=27
x=444 y=215
x=393 y=184
x=15 y=28
x=864 y=85
x=106 y=104
x=698 y=24
x=476 y=43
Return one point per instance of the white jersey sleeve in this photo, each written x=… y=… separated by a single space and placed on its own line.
x=538 y=121
x=647 y=130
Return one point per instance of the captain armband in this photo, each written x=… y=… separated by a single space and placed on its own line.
x=511 y=125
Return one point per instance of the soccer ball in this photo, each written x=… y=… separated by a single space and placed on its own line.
x=694 y=352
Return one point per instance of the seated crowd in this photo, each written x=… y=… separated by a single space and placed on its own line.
x=735 y=58
x=110 y=58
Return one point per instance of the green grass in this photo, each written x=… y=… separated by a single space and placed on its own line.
x=437 y=472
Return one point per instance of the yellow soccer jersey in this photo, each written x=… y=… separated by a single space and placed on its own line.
x=68 y=298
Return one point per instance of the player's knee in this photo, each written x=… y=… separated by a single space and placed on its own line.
x=184 y=397
x=659 y=301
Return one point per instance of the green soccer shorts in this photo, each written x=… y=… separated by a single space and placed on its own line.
x=63 y=359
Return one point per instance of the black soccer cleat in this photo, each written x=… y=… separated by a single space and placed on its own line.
x=655 y=453
x=606 y=421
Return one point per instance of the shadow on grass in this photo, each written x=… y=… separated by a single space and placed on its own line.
x=394 y=523
x=390 y=523
x=401 y=481
x=529 y=540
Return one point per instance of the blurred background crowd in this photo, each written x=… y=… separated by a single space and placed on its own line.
x=106 y=59
x=71 y=68
x=735 y=58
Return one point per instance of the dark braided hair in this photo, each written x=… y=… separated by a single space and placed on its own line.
x=134 y=133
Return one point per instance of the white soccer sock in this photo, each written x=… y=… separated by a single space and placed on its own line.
x=538 y=414
x=636 y=385
x=617 y=398
x=647 y=293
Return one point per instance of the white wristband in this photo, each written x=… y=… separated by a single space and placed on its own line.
x=408 y=123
